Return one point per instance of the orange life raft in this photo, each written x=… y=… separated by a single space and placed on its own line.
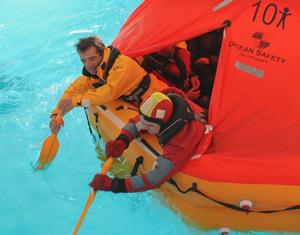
x=207 y=203
x=253 y=161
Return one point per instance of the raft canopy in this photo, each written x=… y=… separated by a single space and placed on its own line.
x=254 y=110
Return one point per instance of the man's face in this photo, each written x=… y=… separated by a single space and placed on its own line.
x=151 y=127
x=91 y=59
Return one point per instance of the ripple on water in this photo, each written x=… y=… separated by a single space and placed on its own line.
x=11 y=92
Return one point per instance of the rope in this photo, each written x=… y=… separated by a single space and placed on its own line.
x=194 y=188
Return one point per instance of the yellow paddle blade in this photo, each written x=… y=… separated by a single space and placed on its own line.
x=48 y=152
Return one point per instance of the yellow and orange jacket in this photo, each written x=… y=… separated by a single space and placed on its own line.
x=124 y=77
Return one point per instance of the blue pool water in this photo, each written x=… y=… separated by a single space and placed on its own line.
x=37 y=62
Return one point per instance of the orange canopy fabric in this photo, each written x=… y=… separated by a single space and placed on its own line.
x=158 y=23
x=255 y=106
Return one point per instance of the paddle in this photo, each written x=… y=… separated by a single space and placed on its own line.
x=92 y=195
x=49 y=148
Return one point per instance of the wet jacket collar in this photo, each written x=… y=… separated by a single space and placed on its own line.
x=102 y=66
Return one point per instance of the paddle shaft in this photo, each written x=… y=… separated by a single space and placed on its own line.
x=92 y=195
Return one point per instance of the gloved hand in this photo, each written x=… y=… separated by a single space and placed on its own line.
x=54 y=125
x=115 y=148
x=101 y=182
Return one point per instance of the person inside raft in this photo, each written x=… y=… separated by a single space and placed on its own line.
x=106 y=76
x=205 y=50
x=172 y=65
x=181 y=132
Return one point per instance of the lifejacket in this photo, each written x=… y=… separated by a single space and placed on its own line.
x=182 y=114
x=98 y=82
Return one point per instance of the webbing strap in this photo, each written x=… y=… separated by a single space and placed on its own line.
x=90 y=129
x=138 y=162
x=89 y=125
x=97 y=124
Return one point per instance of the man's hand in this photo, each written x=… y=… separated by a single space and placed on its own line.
x=65 y=105
x=54 y=125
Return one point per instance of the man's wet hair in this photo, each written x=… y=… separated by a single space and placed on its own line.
x=86 y=43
